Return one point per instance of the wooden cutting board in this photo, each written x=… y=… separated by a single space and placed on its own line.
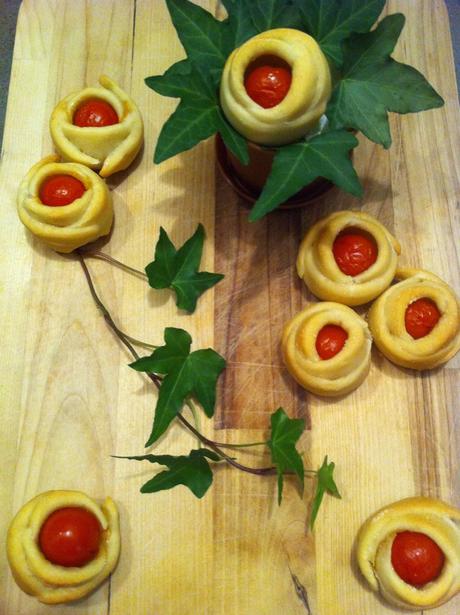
x=68 y=400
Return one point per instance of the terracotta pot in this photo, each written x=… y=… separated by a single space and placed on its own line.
x=248 y=181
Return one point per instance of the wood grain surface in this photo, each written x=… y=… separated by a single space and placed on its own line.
x=68 y=400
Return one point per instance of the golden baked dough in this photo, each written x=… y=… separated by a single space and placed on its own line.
x=303 y=105
x=108 y=148
x=51 y=583
x=434 y=518
x=331 y=377
x=386 y=321
x=68 y=227
x=317 y=266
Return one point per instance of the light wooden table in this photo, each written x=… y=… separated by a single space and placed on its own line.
x=69 y=401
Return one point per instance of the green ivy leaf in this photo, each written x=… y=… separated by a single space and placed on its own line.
x=324 y=484
x=186 y=127
x=178 y=269
x=330 y=22
x=185 y=373
x=294 y=166
x=373 y=84
x=239 y=19
x=269 y=14
x=232 y=139
x=191 y=470
x=206 y=40
x=284 y=434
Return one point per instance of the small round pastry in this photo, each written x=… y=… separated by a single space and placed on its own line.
x=302 y=89
x=348 y=257
x=409 y=551
x=98 y=127
x=327 y=349
x=62 y=544
x=416 y=322
x=64 y=204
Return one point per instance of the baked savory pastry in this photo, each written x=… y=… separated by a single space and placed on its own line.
x=62 y=544
x=409 y=551
x=305 y=101
x=327 y=349
x=98 y=127
x=416 y=322
x=348 y=257
x=64 y=204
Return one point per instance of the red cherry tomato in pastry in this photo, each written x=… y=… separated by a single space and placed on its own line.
x=95 y=112
x=354 y=252
x=70 y=537
x=59 y=190
x=330 y=341
x=420 y=317
x=416 y=558
x=268 y=85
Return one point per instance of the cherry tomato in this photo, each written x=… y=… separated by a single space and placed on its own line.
x=330 y=341
x=95 y=112
x=59 y=190
x=70 y=537
x=416 y=558
x=268 y=85
x=420 y=317
x=354 y=252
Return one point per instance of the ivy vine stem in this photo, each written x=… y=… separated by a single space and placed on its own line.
x=216 y=447
x=113 y=261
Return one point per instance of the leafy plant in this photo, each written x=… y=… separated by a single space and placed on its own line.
x=182 y=375
x=368 y=85
x=178 y=269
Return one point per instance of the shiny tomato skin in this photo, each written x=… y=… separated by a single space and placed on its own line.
x=416 y=558
x=70 y=537
x=95 y=113
x=421 y=317
x=330 y=341
x=354 y=252
x=59 y=190
x=268 y=85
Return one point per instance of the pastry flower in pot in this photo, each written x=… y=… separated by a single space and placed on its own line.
x=288 y=82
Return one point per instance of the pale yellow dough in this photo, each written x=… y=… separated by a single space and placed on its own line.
x=108 y=148
x=386 y=321
x=65 y=228
x=436 y=519
x=300 y=110
x=50 y=583
x=332 y=377
x=316 y=264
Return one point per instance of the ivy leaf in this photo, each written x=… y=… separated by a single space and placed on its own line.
x=205 y=39
x=324 y=484
x=185 y=373
x=191 y=470
x=294 y=166
x=269 y=14
x=178 y=269
x=186 y=127
x=284 y=434
x=232 y=139
x=239 y=19
x=373 y=84
x=330 y=22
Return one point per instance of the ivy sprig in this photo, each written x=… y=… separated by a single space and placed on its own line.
x=368 y=84
x=180 y=374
